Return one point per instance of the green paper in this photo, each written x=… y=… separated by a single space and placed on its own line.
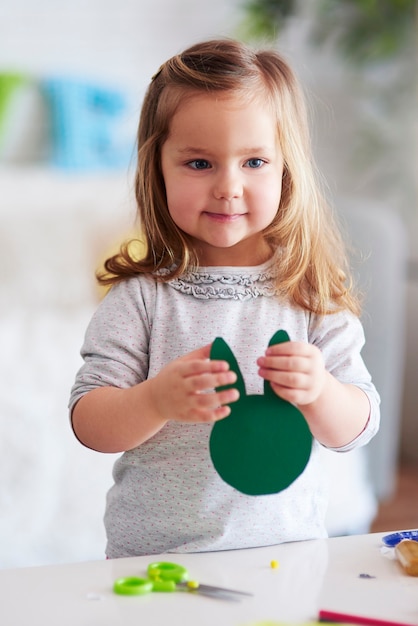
x=265 y=443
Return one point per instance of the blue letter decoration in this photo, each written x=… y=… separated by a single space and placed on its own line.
x=85 y=129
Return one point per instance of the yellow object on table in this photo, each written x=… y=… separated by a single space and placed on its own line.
x=407 y=554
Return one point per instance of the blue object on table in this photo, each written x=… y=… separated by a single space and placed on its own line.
x=393 y=539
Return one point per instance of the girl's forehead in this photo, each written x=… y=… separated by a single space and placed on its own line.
x=239 y=100
x=239 y=97
x=198 y=109
x=213 y=121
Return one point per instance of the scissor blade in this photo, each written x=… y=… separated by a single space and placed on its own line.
x=224 y=590
x=215 y=592
x=218 y=595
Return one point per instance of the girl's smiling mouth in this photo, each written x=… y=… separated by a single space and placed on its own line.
x=223 y=217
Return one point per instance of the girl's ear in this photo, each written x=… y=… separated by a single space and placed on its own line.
x=220 y=351
x=279 y=337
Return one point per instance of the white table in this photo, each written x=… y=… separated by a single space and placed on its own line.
x=312 y=575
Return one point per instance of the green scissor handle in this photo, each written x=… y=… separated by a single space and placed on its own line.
x=162 y=576
x=164 y=570
x=165 y=576
x=132 y=586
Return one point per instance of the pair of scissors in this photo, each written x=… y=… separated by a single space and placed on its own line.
x=165 y=576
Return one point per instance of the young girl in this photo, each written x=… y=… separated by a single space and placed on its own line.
x=239 y=244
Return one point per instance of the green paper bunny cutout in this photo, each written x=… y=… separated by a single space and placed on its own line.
x=265 y=443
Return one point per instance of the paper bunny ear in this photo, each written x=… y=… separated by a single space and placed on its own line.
x=220 y=351
x=279 y=337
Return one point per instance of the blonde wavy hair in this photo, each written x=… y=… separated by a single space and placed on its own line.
x=309 y=250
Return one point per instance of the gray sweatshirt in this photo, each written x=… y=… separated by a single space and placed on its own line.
x=167 y=496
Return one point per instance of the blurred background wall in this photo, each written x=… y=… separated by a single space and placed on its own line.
x=72 y=77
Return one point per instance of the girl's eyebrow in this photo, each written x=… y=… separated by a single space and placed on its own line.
x=191 y=150
x=243 y=151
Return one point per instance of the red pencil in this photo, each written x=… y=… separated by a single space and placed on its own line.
x=345 y=618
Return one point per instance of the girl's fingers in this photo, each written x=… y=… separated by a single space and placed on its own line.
x=196 y=367
x=285 y=363
x=209 y=381
x=213 y=400
x=209 y=416
x=290 y=380
x=221 y=412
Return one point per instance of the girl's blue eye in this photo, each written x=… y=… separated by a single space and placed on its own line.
x=255 y=163
x=199 y=164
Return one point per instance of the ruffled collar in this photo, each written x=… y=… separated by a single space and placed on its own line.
x=228 y=283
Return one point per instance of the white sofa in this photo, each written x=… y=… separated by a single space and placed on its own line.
x=54 y=229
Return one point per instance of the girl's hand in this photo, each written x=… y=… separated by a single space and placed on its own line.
x=184 y=390
x=295 y=370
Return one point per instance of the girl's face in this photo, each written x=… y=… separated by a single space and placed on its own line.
x=222 y=166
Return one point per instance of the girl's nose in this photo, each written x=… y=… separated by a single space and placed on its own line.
x=228 y=185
